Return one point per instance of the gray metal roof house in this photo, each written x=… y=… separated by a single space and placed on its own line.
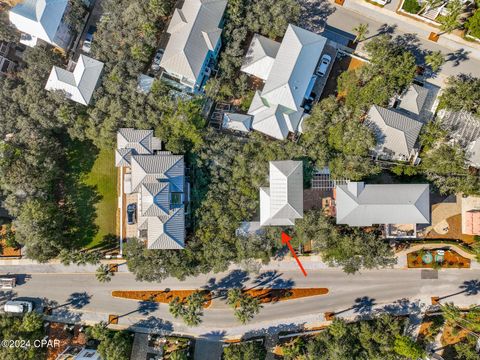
x=396 y=133
x=414 y=98
x=360 y=204
x=157 y=178
x=195 y=40
x=282 y=202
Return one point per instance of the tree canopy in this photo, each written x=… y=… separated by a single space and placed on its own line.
x=351 y=248
x=114 y=345
x=28 y=328
x=461 y=93
x=245 y=351
x=380 y=338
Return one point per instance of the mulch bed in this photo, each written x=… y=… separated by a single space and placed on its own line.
x=161 y=296
x=56 y=332
x=451 y=260
x=267 y=295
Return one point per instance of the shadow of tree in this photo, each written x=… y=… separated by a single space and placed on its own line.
x=78 y=300
x=458 y=56
x=314 y=14
x=153 y=324
x=469 y=288
x=235 y=279
x=363 y=305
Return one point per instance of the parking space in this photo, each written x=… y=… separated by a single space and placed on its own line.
x=320 y=76
x=94 y=16
x=342 y=64
x=322 y=80
x=131 y=229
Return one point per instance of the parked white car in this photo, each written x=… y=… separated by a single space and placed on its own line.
x=18 y=307
x=323 y=66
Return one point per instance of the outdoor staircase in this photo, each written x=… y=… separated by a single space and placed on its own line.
x=432 y=13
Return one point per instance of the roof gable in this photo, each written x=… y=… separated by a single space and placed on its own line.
x=282 y=202
x=414 y=99
x=39 y=18
x=294 y=65
x=193 y=32
x=393 y=130
x=260 y=57
x=80 y=84
x=383 y=204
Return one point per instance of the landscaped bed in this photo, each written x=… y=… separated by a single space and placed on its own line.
x=160 y=296
x=267 y=295
x=430 y=259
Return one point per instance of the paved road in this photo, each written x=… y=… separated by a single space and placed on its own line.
x=317 y=13
x=86 y=299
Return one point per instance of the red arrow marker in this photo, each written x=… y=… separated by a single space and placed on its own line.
x=286 y=240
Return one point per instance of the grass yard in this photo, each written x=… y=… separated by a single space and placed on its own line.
x=103 y=177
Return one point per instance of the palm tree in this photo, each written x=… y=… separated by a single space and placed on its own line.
x=247 y=308
x=179 y=355
x=451 y=313
x=435 y=60
x=175 y=307
x=234 y=296
x=430 y=4
x=104 y=274
x=361 y=30
x=451 y=21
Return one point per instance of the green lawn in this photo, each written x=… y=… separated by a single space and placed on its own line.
x=103 y=177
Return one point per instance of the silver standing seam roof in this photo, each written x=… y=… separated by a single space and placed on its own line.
x=359 y=204
x=154 y=176
x=39 y=18
x=194 y=31
x=413 y=99
x=80 y=84
x=282 y=202
x=277 y=108
x=260 y=56
x=394 y=131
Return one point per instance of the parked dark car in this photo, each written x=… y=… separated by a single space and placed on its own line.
x=131 y=214
x=87 y=43
x=156 y=60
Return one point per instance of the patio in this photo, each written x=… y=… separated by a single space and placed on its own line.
x=446 y=221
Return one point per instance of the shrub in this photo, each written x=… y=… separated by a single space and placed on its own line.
x=411 y=6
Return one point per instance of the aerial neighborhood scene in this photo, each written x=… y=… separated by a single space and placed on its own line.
x=239 y=179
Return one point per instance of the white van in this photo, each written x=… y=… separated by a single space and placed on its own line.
x=18 y=307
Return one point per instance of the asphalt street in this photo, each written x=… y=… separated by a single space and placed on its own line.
x=318 y=13
x=82 y=297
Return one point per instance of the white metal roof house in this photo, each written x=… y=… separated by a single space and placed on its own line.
x=277 y=108
x=41 y=19
x=282 y=202
x=80 y=84
x=396 y=133
x=360 y=204
x=260 y=57
x=195 y=40
x=157 y=178
x=237 y=122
